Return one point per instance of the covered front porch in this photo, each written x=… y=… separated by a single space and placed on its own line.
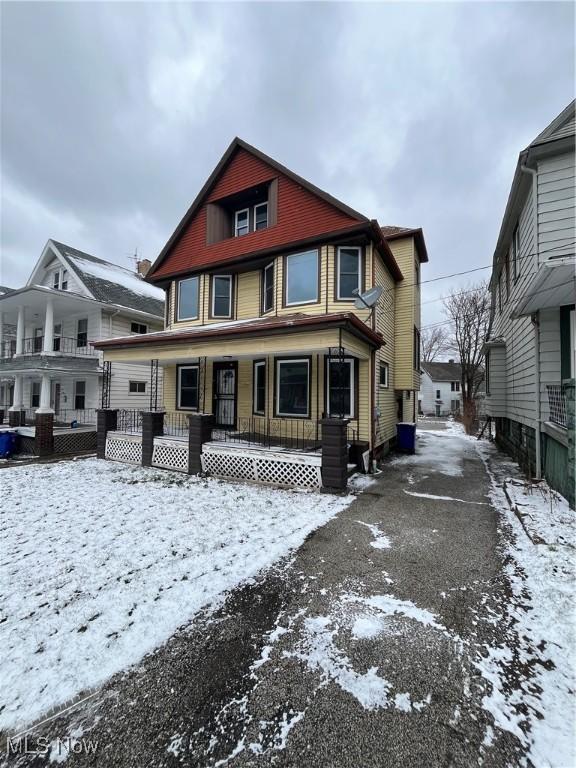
x=268 y=397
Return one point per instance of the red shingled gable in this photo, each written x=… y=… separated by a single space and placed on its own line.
x=301 y=214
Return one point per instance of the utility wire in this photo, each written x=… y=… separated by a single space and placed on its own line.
x=477 y=269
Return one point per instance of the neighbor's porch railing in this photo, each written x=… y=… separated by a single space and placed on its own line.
x=63 y=345
x=557 y=404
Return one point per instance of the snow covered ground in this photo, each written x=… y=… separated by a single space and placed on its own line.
x=102 y=562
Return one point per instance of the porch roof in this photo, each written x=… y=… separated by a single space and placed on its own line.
x=254 y=327
x=553 y=285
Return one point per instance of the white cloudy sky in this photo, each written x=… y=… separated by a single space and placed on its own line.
x=113 y=114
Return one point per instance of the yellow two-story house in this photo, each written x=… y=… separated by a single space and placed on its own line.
x=270 y=321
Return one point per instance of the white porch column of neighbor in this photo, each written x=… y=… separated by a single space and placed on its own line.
x=17 y=403
x=48 y=345
x=45 y=395
x=20 y=333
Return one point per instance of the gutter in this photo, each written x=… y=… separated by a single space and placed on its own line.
x=536 y=325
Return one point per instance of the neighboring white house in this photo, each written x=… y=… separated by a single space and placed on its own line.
x=46 y=328
x=440 y=388
x=530 y=355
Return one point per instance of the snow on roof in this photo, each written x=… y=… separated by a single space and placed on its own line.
x=113 y=284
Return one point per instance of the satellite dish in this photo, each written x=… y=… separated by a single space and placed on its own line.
x=369 y=298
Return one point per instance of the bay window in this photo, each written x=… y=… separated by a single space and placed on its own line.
x=302 y=278
x=340 y=388
x=188 y=299
x=221 y=296
x=293 y=387
x=348 y=272
x=187 y=387
x=259 y=386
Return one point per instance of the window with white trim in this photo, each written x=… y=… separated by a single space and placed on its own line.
x=383 y=375
x=340 y=388
x=221 y=295
x=64 y=283
x=137 y=387
x=455 y=386
x=35 y=394
x=259 y=393
x=187 y=387
x=79 y=395
x=302 y=278
x=241 y=222
x=138 y=328
x=82 y=333
x=293 y=387
x=268 y=287
x=260 y=216
x=348 y=271
x=188 y=298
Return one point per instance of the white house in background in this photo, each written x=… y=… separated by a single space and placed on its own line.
x=46 y=329
x=440 y=388
x=530 y=354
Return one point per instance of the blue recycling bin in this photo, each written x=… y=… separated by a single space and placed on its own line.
x=7 y=443
x=406 y=436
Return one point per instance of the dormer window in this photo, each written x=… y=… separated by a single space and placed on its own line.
x=245 y=212
x=56 y=280
x=242 y=222
x=261 y=216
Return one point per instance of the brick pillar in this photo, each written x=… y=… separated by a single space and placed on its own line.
x=106 y=421
x=569 y=387
x=334 y=455
x=44 y=435
x=200 y=432
x=152 y=425
x=17 y=418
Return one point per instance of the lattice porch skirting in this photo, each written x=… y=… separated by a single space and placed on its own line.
x=170 y=454
x=263 y=465
x=120 y=447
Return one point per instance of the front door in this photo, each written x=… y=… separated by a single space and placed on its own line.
x=224 y=397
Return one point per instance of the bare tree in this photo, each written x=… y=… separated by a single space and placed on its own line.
x=469 y=313
x=433 y=343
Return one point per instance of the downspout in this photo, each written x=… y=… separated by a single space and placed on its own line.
x=536 y=325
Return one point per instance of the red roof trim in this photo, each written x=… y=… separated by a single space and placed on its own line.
x=346 y=320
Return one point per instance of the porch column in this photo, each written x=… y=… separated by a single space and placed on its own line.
x=200 y=432
x=152 y=425
x=45 y=395
x=48 y=345
x=16 y=413
x=44 y=432
x=334 y=455
x=19 y=335
x=106 y=421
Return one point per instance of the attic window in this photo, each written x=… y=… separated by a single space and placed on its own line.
x=242 y=222
x=56 y=280
x=247 y=211
x=64 y=284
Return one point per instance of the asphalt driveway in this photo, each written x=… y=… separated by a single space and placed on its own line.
x=371 y=647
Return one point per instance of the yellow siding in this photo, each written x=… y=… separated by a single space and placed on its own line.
x=386 y=412
x=407 y=315
x=248 y=295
